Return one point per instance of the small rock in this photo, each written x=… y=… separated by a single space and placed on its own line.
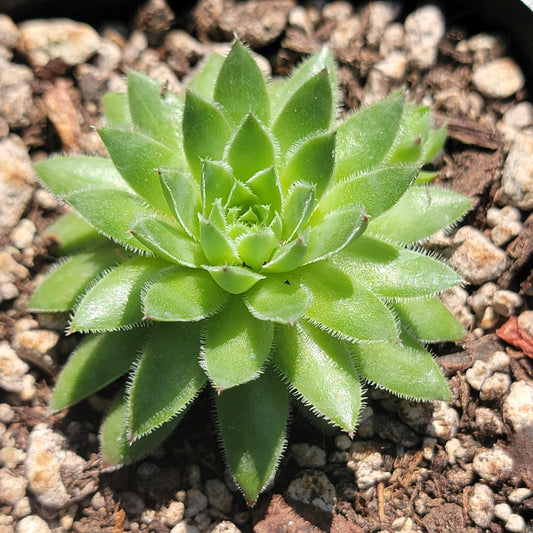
x=337 y=11
x=314 y=488
x=481 y=505
x=393 y=65
x=506 y=303
x=367 y=464
x=12 y=369
x=195 y=503
x=455 y=299
x=477 y=374
x=445 y=420
x=500 y=78
x=424 y=28
x=518 y=405
x=308 y=455
x=488 y=422
x=520 y=494
x=428 y=448
x=379 y=16
x=173 y=513
x=515 y=524
x=485 y=47
x=22 y=508
x=494 y=465
x=477 y=259
x=517 y=176
x=390 y=428
x=225 y=527
x=11 y=457
x=184 y=527
x=23 y=233
x=16 y=94
x=525 y=321
x=12 y=487
x=218 y=495
x=503 y=233
x=482 y=298
x=502 y=511
x=6 y=413
x=9 y=33
x=32 y=524
x=43 y=40
x=34 y=345
x=342 y=441
x=518 y=118
x=495 y=386
x=393 y=38
x=132 y=503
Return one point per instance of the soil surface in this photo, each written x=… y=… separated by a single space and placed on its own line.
x=462 y=466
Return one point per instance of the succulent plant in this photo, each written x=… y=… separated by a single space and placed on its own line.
x=243 y=237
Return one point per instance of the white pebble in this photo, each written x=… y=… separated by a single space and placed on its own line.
x=518 y=405
x=520 y=494
x=173 y=513
x=495 y=386
x=525 y=321
x=23 y=233
x=493 y=465
x=482 y=298
x=517 y=185
x=12 y=487
x=481 y=505
x=444 y=422
x=184 y=527
x=503 y=233
x=499 y=78
x=32 y=524
x=477 y=374
x=515 y=524
x=503 y=511
x=506 y=303
x=308 y=455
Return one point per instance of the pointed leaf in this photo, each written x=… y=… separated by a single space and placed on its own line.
x=205 y=131
x=240 y=86
x=434 y=143
x=98 y=361
x=412 y=136
x=298 y=209
x=253 y=431
x=288 y=256
x=420 y=213
x=63 y=175
x=115 y=446
x=250 y=150
x=395 y=272
x=115 y=301
x=236 y=345
x=138 y=158
x=117 y=110
x=60 y=290
x=308 y=111
x=217 y=182
x=265 y=185
x=183 y=295
x=216 y=244
x=256 y=247
x=376 y=190
x=203 y=82
x=405 y=369
x=278 y=300
x=344 y=305
x=167 y=377
x=321 y=369
x=234 y=279
x=167 y=241
x=429 y=320
x=313 y=162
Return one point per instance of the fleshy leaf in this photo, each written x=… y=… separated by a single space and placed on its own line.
x=298 y=208
x=138 y=158
x=236 y=345
x=117 y=110
x=395 y=272
x=256 y=247
x=321 y=369
x=217 y=182
x=344 y=305
x=412 y=135
x=60 y=290
x=234 y=279
x=265 y=185
x=288 y=256
x=364 y=139
x=278 y=300
x=114 y=302
x=205 y=132
x=217 y=246
x=64 y=175
x=98 y=361
x=405 y=369
x=435 y=141
x=166 y=378
x=250 y=149
x=183 y=295
x=429 y=320
x=72 y=234
x=116 y=448
x=240 y=86
x=420 y=213
x=253 y=430
x=167 y=241
x=203 y=83
x=313 y=162
x=308 y=111
x=376 y=190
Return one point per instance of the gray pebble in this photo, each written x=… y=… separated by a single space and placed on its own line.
x=343 y=442
x=314 y=488
x=218 y=495
x=195 y=502
x=390 y=428
x=517 y=185
x=308 y=455
x=481 y=505
x=494 y=465
x=488 y=422
x=32 y=524
x=518 y=405
x=499 y=78
x=132 y=503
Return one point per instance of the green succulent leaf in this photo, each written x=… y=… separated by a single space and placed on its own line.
x=216 y=244
x=217 y=183
x=298 y=208
x=114 y=302
x=199 y=296
x=203 y=82
x=98 y=361
x=241 y=87
x=253 y=431
x=236 y=345
x=166 y=379
x=234 y=279
x=116 y=448
x=434 y=143
x=61 y=289
x=265 y=185
x=320 y=368
x=412 y=136
x=256 y=247
x=117 y=110
x=288 y=256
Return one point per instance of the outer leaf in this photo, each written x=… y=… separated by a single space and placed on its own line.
x=234 y=279
x=278 y=300
x=167 y=241
x=407 y=370
x=117 y=110
x=253 y=431
x=313 y=162
x=435 y=141
x=298 y=209
x=183 y=296
x=216 y=244
x=138 y=158
x=167 y=377
x=115 y=301
x=110 y=212
x=60 y=290
x=429 y=320
x=155 y=112
x=320 y=367
x=288 y=256
x=377 y=190
x=115 y=446
x=63 y=175
x=98 y=361
x=344 y=305
x=420 y=213
x=308 y=111
x=203 y=83
x=412 y=136
x=250 y=150
x=205 y=132
x=236 y=345
x=240 y=86
x=364 y=139
x=395 y=272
